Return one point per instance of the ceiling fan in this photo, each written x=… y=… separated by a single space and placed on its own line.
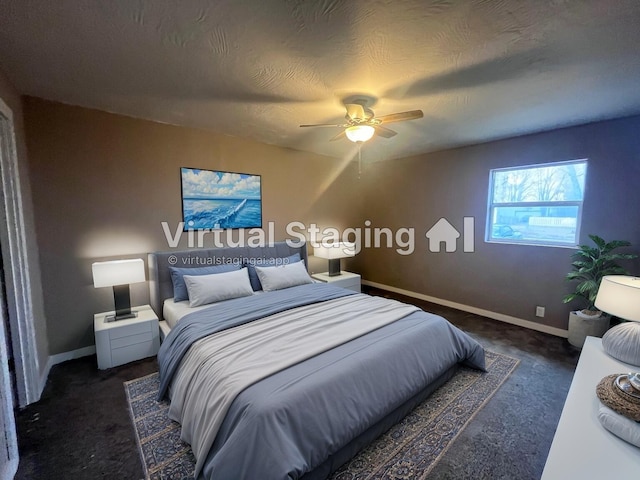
x=361 y=123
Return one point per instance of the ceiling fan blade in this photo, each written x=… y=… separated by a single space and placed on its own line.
x=338 y=136
x=385 y=132
x=325 y=125
x=401 y=117
x=355 y=111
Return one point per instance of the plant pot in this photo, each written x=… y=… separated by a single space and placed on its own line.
x=582 y=326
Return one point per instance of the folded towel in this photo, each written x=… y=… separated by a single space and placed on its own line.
x=621 y=426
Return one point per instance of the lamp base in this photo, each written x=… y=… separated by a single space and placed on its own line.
x=115 y=318
x=334 y=267
x=122 y=301
x=622 y=342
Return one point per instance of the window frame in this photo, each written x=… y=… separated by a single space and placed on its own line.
x=491 y=206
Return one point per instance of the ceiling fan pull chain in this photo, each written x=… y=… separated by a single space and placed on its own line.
x=359 y=159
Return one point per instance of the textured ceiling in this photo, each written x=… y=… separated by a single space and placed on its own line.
x=480 y=70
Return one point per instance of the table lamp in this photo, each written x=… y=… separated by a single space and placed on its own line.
x=334 y=253
x=619 y=295
x=119 y=274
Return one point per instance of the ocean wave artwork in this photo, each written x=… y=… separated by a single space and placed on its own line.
x=213 y=199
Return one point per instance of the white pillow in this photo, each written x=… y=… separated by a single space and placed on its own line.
x=204 y=289
x=619 y=425
x=283 y=276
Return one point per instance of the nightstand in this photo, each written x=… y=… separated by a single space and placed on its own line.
x=345 y=280
x=124 y=341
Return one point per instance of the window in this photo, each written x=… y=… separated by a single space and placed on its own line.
x=536 y=204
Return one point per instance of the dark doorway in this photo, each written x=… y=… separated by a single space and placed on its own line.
x=7 y=333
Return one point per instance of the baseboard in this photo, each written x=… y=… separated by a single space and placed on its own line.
x=44 y=375
x=558 y=332
x=63 y=357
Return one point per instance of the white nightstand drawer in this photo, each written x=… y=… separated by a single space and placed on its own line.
x=347 y=280
x=135 y=329
x=350 y=284
x=131 y=340
x=120 y=356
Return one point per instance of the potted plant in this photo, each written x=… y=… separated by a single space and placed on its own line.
x=590 y=264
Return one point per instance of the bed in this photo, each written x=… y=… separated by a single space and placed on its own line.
x=291 y=382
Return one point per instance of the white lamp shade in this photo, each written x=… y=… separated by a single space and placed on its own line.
x=337 y=250
x=360 y=133
x=117 y=272
x=619 y=295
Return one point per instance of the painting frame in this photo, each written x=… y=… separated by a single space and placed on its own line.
x=219 y=199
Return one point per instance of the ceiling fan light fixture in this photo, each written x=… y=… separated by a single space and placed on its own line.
x=359 y=133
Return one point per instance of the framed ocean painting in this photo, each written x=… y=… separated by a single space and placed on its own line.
x=213 y=199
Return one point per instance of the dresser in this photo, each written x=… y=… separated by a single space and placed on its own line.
x=582 y=448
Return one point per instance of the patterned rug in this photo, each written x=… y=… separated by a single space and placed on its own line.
x=409 y=450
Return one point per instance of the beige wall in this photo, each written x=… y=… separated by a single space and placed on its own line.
x=10 y=96
x=508 y=279
x=103 y=184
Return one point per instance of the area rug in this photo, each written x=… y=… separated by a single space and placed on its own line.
x=409 y=450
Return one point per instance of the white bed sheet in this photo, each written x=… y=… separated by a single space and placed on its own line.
x=174 y=311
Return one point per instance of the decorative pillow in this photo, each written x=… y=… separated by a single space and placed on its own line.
x=283 y=276
x=268 y=262
x=180 y=289
x=204 y=289
x=619 y=425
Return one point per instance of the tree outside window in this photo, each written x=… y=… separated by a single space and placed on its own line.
x=537 y=204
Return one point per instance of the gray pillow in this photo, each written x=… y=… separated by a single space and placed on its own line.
x=205 y=289
x=180 y=289
x=619 y=425
x=267 y=262
x=278 y=277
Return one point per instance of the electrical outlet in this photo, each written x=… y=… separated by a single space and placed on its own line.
x=539 y=311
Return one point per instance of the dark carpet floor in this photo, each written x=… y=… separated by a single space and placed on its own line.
x=80 y=429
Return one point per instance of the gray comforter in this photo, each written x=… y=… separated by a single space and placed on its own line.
x=251 y=414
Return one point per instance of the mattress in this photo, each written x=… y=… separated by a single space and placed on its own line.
x=174 y=311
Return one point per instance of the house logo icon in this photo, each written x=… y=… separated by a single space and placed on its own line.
x=443 y=232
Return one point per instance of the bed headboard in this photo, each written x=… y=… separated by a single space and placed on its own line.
x=160 y=286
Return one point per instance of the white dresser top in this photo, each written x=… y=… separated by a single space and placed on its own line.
x=582 y=448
